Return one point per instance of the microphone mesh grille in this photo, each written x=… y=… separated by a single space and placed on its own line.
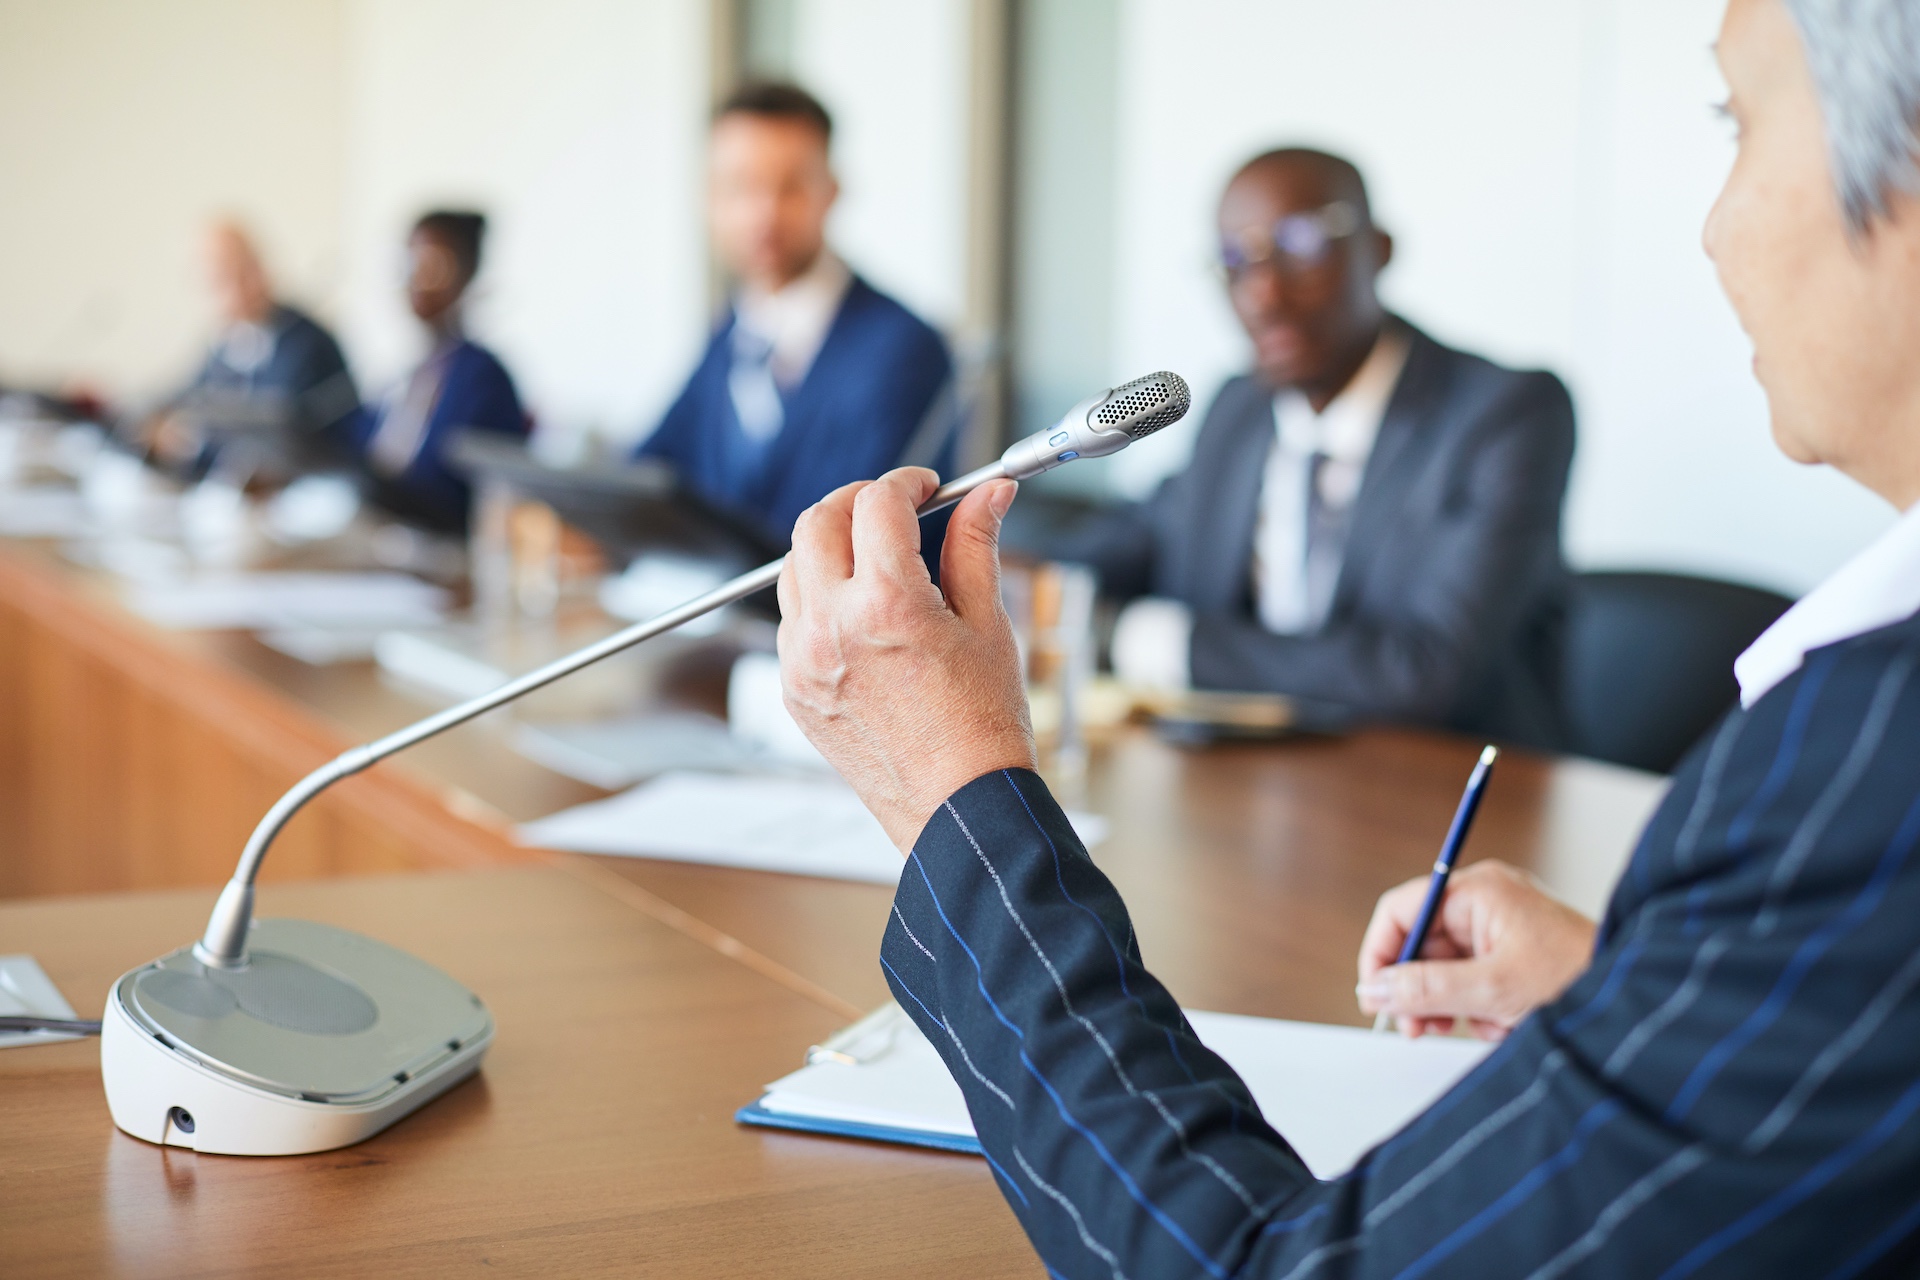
x=1145 y=405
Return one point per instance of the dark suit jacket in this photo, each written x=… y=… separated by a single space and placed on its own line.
x=305 y=378
x=476 y=394
x=1731 y=1089
x=1448 y=602
x=864 y=402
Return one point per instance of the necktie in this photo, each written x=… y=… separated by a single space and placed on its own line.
x=1326 y=546
x=756 y=396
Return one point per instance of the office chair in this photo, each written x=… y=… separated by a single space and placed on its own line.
x=1647 y=666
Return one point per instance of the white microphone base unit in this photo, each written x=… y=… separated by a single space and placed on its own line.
x=325 y=1038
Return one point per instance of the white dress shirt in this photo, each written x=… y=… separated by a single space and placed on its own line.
x=1876 y=588
x=1288 y=599
x=1152 y=641
x=777 y=335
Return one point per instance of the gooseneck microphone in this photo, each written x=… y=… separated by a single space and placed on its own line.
x=1094 y=428
x=321 y=1037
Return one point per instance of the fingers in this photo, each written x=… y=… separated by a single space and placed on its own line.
x=822 y=555
x=1437 y=989
x=970 y=558
x=1393 y=918
x=787 y=589
x=886 y=530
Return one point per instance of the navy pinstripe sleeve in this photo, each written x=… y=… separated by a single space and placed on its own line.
x=1731 y=1088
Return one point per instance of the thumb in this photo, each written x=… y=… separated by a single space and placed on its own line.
x=970 y=557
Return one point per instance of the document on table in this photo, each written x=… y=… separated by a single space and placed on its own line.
x=804 y=826
x=1334 y=1093
x=27 y=991
x=43 y=513
x=619 y=753
x=280 y=601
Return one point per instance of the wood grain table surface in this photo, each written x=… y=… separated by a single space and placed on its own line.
x=598 y=1138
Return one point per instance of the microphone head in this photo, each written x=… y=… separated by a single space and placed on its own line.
x=1143 y=406
x=1103 y=425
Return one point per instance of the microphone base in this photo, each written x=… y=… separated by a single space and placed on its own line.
x=323 y=1040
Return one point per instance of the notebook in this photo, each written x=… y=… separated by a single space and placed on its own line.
x=1334 y=1093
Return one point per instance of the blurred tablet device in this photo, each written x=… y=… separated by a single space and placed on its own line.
x=1201 y=717
x=628 y=507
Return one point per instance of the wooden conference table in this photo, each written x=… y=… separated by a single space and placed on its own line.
x=639 y=1003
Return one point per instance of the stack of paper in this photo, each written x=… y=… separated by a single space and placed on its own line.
x=1332 y=1092
x=43 y=513
x=27 y=991
x=804 y=826
x=618 y=753
x=280 y=601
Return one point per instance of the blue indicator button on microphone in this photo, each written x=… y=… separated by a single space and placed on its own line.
x=1069 y=455
x=1059 y=439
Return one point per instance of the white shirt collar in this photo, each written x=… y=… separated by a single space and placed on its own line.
x=1346 y=428
x=1876 y=588
x=795 y=318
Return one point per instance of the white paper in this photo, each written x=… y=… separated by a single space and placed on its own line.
x=279 y=601
x=619 y=753
x=43 y=513
x=27 y=991
x=1334 y=1093
x=801 y=826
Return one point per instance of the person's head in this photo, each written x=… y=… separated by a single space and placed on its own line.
x=443 y=256
x=241 y=291
x=771 y=186
x=1817 y=233
x=1301 y=255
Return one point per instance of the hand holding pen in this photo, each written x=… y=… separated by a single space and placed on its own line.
x=1492 y=948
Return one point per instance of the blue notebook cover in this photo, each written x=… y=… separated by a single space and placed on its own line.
x=756 y=1114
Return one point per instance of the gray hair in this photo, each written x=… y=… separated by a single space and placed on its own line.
x=1865 y=57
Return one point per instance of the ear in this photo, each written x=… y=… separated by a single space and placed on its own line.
x=1382 y=249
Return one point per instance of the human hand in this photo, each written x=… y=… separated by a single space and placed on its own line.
x=908 y=692
x=1500 y=947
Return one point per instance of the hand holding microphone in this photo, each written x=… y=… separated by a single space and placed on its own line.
x=909 y=690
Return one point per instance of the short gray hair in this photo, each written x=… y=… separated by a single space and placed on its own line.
x=1865 y=57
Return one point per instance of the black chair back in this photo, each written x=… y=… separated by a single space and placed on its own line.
x=1648 y=663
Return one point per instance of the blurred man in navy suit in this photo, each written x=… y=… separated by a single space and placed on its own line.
x=401 y=446
x=814 y=378
x=273 y=395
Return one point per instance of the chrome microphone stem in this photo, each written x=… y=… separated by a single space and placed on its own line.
x=224 y=945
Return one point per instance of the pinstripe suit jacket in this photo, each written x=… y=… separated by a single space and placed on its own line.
x=1730 y=1089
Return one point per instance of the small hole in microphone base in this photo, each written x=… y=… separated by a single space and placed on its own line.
x=181 y=1119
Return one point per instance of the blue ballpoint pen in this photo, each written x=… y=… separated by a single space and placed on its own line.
x=1443 y=865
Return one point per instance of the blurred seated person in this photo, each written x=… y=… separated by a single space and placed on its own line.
x=401 y=445
x=273 y=395
x=814 y=378
x=1369 y=518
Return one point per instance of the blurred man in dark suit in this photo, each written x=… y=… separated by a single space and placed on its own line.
x=814 y=378
x=1370 y=518
x=273 y=394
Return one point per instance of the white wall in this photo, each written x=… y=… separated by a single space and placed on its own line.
x=123 y=126
x=1545 y=168
x=578 y=127
x=894 y=77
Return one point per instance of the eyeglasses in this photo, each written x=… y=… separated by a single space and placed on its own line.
x=1295 y=243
